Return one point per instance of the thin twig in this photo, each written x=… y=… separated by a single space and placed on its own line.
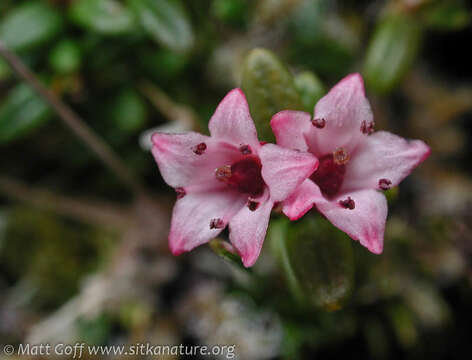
x=74 y=122
x=170 y=109
x=92 y=212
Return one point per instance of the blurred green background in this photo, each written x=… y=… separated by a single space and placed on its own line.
x=83 y=255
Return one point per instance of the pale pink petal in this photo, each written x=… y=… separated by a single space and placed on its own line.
x=344 y=109
x=283 y=170
x=365 y=223
x=384 y=157
x=302 y=200
x=248 y=230
x=179 y=163
x=192 y=214
x=289 y=128
x=232 y=121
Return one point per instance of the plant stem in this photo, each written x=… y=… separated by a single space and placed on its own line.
x=92 y=212
x=74 y=122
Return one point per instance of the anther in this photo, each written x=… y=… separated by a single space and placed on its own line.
x=217 y=224
x=245 y=149
x=384 y=184
x=223 y=173
x=319 y=123
x=367 y=127
x=340 y=156
x=180 y=192
x=347 y=203
x=252 y=205
x=200 y=149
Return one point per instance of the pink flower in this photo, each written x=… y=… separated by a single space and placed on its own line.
x=356 y=163
x=227 y=178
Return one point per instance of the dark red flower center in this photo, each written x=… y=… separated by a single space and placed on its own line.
x=244 y=175
x=330 y=174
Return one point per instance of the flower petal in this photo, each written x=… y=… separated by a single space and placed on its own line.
x=383 y=156
x=366 y=222
x=247 y=230
x=191 y=217
x=232 y=121
x=283 y=170
x=181 y=166
x=344 y=109
x=289 y=128
x=302 y=200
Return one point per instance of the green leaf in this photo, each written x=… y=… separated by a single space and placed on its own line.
x=311 y=89
x=391 y=53
x=318 y=261
x=403 y=325
x=230 y=11
x=129 y=112
x=166 y=21
x=94 y=330
x=30 y=25
x=277 y=233
x=5 y=71
x=222 y=249
x=163 y=64
x=65 y=57
x=21 y=113
x=108 y=17
x=323 y=41
x=269 y=88
x=447 y=15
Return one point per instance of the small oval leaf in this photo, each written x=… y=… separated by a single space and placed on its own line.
x=29 y=25
x=269 y=88
x=128 y=111
x=21 y=113
x=65 y=57
x=391 y=53
x=166 y=21
x=106 y=17
x=320 y=260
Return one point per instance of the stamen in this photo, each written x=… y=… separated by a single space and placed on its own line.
x=180 y=192
x=340 y=156
x=223 y=173
x=319 y=123
x=217 y=224
x=367 y=128
x=245 y=149
x=384 y=184
x=347 y=203
x=200 y=149
x=252 y=205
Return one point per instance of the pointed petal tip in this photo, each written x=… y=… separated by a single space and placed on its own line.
x=176 y=247
x=232 y=121
x=375 y=246
x=373 y=240
x=236 y=93
x=294 y=216
x=425 y=149
x=156 y=138
x=249 y=259
x=376 y=251
x=355 y=79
